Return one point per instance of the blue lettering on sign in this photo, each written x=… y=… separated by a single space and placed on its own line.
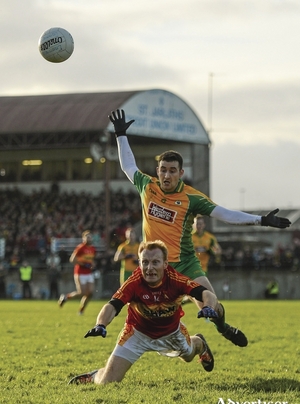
x=168 y=113
x=140 y=121
x=184 y=128
x=161 y=125
x=143 y=109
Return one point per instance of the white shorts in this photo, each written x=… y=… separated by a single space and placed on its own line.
x=132 y=344
x=84 y=279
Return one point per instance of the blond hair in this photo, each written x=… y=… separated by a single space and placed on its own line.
x=152 y=245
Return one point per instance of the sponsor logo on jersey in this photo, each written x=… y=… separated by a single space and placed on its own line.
x=162 y=213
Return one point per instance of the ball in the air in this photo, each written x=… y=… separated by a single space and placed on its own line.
x=56 y=45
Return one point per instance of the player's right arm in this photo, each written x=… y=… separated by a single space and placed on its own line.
x=73 y=258
x=119 y=254
x=126 y=157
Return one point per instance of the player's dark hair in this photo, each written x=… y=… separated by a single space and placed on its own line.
x=171 y=155
x=152 y=245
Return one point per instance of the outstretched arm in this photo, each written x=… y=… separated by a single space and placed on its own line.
x=238 y=217
x=105 y=317
x=235 y=216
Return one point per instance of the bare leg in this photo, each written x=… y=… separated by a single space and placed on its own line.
x=114 y=370
x=198 y=347
x=78 y=291
x=87 y=292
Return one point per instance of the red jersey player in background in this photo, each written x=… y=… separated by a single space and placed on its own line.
x=153 y=295
x=83 y=258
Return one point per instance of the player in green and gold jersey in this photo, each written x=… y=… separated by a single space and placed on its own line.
x=169 y=207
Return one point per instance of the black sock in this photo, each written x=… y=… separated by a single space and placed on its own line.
x=220 y=322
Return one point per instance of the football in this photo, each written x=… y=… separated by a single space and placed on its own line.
x=56 y=45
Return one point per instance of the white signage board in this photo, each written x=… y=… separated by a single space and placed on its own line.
x=161 y=114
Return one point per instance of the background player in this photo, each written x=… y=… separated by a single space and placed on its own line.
x=83 y=258
x=205 y=244
x=127 y=253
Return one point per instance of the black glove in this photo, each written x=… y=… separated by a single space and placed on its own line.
x=117 y=118
x=207 y=312
x=97 y=331
x=275 y=221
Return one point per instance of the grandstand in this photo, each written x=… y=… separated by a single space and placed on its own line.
x=59 y=171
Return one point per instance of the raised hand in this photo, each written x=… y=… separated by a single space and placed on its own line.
x=118 y=119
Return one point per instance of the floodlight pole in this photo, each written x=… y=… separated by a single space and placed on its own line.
x=106 y=140
x=210 y=102
x=107 y=202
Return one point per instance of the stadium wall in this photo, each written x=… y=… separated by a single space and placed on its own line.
x=243 y=285
x=92 y=187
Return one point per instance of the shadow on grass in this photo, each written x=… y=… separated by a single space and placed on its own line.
x=273 y=385
x=263 y=385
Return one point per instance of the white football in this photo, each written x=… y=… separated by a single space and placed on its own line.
x=56 y=45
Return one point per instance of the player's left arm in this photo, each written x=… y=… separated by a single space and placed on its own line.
x=215 y=247
x=204 y=295
x=209 y=300
x=243 y=218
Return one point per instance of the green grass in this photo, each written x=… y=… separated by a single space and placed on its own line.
x=42 y=347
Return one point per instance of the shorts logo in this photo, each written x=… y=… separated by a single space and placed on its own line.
x=162 y=213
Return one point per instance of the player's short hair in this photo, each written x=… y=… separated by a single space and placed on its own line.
x=171 y=155
x=152 y=245
x=199 y=217
x=85 y=233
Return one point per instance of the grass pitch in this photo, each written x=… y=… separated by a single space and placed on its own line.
x=42 y=347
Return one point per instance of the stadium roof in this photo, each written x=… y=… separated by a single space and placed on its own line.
x=76 y=120
x=58 y=113
x=43 y=120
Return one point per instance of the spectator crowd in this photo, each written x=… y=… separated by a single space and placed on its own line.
x=28 y=222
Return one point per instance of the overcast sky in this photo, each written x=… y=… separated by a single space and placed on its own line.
x=246 y=54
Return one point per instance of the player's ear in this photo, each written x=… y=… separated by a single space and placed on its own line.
x=181 y=172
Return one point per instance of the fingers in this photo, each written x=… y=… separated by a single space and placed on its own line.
x=118 y=114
